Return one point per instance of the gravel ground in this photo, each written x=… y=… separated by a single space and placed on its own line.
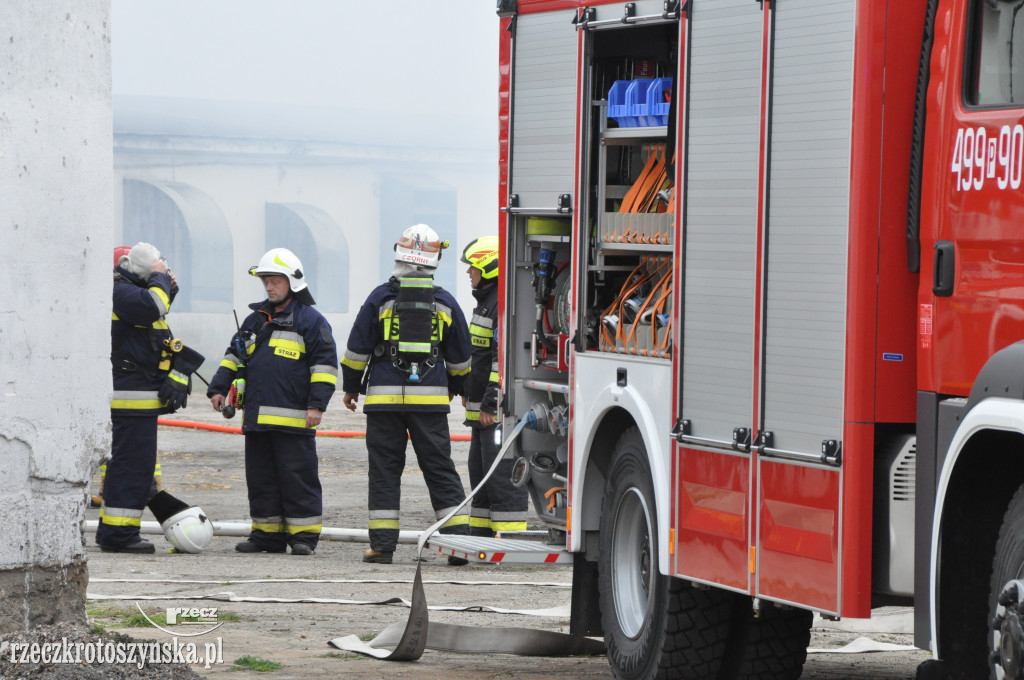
x=206 y=469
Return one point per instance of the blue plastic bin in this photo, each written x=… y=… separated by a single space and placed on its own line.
x=636 y=100
x=618 y=107
x=657 y=107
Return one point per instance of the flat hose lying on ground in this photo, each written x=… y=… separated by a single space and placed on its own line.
x=408 y=640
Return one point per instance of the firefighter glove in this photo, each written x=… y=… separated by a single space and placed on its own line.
x=175 y=390
x=178 y=383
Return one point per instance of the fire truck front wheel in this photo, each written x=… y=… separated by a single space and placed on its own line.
x=655 y=626
x=1006 y=596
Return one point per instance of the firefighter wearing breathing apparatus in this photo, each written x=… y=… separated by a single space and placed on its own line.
x=411 y=341
x=291 y=364
x=151 y=376
x=499 y=506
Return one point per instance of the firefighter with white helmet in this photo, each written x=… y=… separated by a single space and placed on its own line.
x=411 y=342
x=499 y=506
x=287 y=350
x=151 y=376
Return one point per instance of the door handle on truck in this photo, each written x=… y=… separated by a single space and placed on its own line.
x=945 y=269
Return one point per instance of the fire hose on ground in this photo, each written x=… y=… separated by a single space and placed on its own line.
x=228 y=429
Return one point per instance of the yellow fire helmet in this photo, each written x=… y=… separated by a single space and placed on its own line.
x=482 y=253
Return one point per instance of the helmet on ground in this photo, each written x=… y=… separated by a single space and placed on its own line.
x=119 y=252
x=139 y=259
x=420 y=245
x=283 y=262
x=482 y=253
x=189 y=530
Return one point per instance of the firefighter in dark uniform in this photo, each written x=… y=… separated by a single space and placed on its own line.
x=499 y=506
x=290 y=361
x=150 y=379
x=402 y=404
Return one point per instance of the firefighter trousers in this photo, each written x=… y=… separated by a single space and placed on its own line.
x=387 y=434
x=285 y=496
x=498 y=506
x=128 y=483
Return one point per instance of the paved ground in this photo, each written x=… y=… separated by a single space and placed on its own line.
x=206 y=469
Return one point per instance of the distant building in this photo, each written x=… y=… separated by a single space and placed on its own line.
x=216 y=184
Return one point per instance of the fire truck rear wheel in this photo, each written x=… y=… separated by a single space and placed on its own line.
x=655 y=626
x=772 y=644
x=1006 y=622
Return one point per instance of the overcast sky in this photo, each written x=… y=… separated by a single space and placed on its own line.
x=412 y=55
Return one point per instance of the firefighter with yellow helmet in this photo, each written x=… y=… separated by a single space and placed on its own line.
x=499 y=506
x=411 y=342
x=291 y=361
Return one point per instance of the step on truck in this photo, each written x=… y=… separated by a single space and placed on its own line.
x=762 y=293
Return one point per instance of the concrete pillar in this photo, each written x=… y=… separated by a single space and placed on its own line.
x=56 y=240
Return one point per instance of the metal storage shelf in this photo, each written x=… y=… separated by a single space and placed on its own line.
x=632 y=135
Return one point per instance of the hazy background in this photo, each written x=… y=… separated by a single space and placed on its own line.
x=406 y=64
x=323 y=126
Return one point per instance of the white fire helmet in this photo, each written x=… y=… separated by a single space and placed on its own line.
x=420 y=245
x=283 y=262
x=188 y=531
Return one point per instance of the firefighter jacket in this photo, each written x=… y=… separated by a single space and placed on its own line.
x=139 y=358
x=290 y=365
x=482 y=382
x=387 y=386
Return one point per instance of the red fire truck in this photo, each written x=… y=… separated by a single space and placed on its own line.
x=763 y=298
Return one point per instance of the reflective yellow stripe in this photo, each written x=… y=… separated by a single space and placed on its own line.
x=457 y=520
x=114 y=317
x=160 y=325
x=280 y=420
x=159 y=292
x=481 y=331
x=136 y=404
x=459 y=371
x=324 y=378
x=227 y=363
x=119 y=521
x=351 y=363
x=508 y=526
x=178 y=377
x=472 y=415
x=383 y=523
x=290 y=345
x=156 y=471
x=311 y=528
x=405 y=399
x=480 y=522
x=269 y=528
x=493 y=377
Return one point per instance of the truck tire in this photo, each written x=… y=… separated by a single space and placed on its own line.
x=655 y=626
x=769 y=646
x=1008 y=567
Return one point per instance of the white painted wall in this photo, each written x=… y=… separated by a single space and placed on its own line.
x=56 y=227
